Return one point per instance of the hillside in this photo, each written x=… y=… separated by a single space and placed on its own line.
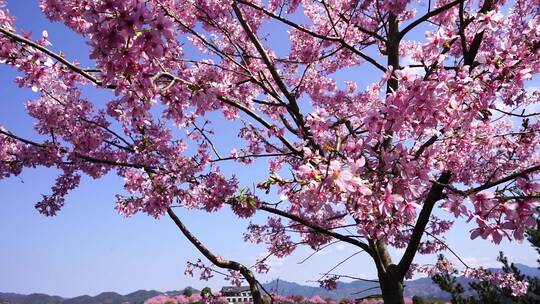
x=137 y=297
x=423 y=287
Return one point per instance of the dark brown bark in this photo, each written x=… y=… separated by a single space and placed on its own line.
x=321 y=230
x=219 y=262
x=390 y=282
x=434 y=195
x=392 y=289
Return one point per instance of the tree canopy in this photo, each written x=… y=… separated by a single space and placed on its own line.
x=446 y=130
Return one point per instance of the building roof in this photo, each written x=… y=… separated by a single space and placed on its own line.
x=234 y=289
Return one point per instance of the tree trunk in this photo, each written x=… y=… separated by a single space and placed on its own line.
x=390 y=281
x=392 y=289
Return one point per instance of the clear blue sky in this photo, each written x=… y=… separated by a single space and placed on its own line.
x=88 y=248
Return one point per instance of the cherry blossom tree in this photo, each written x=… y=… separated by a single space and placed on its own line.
x=446 y=130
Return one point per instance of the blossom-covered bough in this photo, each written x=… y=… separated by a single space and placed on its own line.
x=447 y=126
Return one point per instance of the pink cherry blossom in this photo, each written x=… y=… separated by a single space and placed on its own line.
x=357 y=122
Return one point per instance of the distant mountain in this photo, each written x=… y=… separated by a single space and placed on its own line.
x=528 y=271
x=104 y=298
x=30 y=299
x=355 y=289
x=140 y=296
x=137 y=297
x=9 y=296
x=423 y=287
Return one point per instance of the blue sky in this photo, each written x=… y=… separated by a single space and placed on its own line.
x=88 y=248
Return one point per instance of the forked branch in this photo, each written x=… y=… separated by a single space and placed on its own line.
x=219 y=262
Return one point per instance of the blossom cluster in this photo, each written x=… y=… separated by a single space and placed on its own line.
x=181 y=299
x=503 y=280
x=500 y=279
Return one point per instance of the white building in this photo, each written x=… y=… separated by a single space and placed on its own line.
x=237 y=295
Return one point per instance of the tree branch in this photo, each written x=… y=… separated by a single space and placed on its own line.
x=219 y=262
x=426 y=17
x=59 y=58
x=317 y=228
x=434 y=195
x=503 y=180
x=261 y=120
x=79 y=155
x=477 y=40
x=323 y=37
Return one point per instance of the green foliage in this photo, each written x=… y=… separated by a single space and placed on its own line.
x=206 y=292
x=488 y=293
x=418 y=300
x=247 y=197
x=533 y=236
x=188 y=292
x=447 y=282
